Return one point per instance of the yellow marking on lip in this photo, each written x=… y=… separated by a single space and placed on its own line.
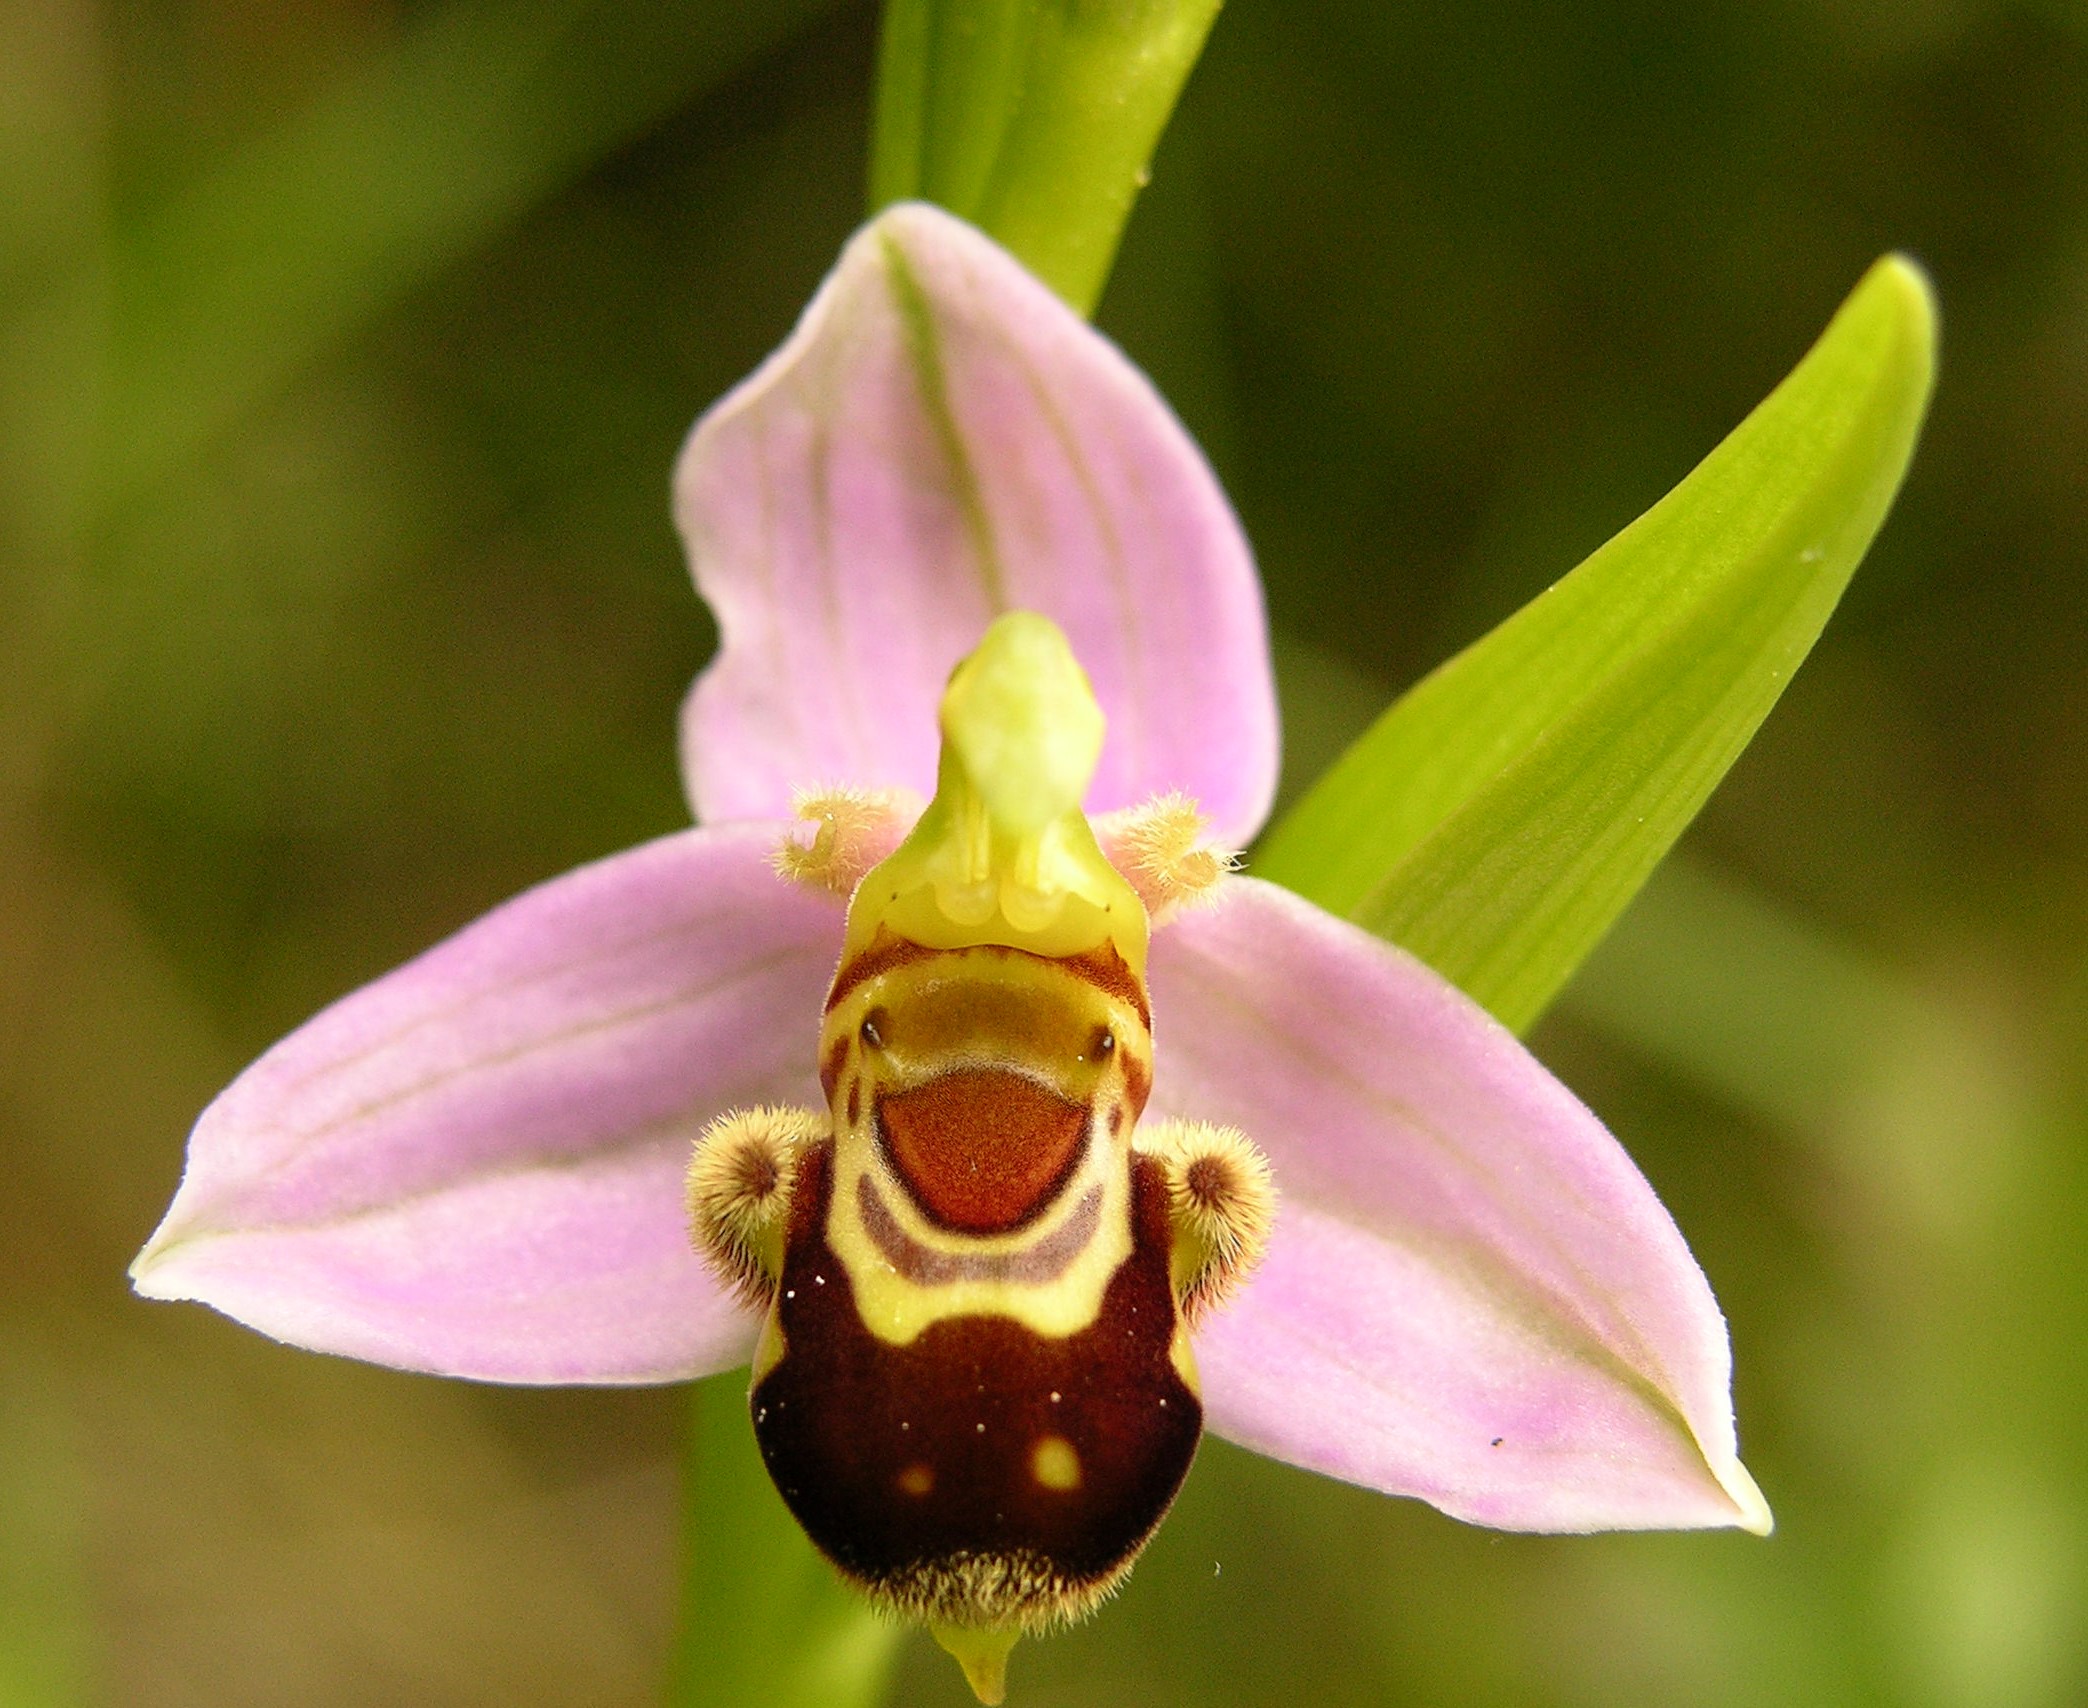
x=1055 y=1464
x=1184 y=1360
x=897 y=1310
x=964 y=1011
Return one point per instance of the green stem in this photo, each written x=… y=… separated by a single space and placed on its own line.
x=764 y=1618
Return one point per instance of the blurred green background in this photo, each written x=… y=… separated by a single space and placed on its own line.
x=344 y=349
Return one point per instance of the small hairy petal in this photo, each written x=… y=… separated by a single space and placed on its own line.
x=1163 y=853
x=850 y=830
x=473 y=1166
x=942 y=440
x=1471 y=1294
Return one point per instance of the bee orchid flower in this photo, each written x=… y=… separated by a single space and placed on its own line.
x=475 y=1166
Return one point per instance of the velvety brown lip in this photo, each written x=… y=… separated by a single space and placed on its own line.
x=982 y=1150
x=909 y=1464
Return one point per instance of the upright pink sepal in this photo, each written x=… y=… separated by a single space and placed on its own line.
x=473 y=1166
x=942 y=440
x=1471 y=1295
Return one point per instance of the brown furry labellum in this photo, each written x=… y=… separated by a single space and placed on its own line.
x=974 y=1386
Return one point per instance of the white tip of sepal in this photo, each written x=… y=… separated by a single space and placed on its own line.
x=154 y=1276
x=1746 y=1495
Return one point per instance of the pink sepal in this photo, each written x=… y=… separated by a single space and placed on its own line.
x=941 y=440
x=1472 y=1295
x=473 y=1166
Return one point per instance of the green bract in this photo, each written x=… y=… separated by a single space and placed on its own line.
x=1500 y=815
x=1033 y=119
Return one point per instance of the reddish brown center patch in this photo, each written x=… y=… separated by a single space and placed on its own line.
x=981 y=1149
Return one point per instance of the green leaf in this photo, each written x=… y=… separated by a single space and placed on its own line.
x=1033 y=119
x=1499 y=816
x=764 y=1618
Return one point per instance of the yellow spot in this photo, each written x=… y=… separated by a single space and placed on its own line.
x=916 y=1480
x=1054 y=1463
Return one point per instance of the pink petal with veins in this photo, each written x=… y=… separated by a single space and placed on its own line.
x=939 y=441
x=473 y=1166
x=1471 y=1295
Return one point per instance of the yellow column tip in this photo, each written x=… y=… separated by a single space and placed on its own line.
x=983 y=1654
